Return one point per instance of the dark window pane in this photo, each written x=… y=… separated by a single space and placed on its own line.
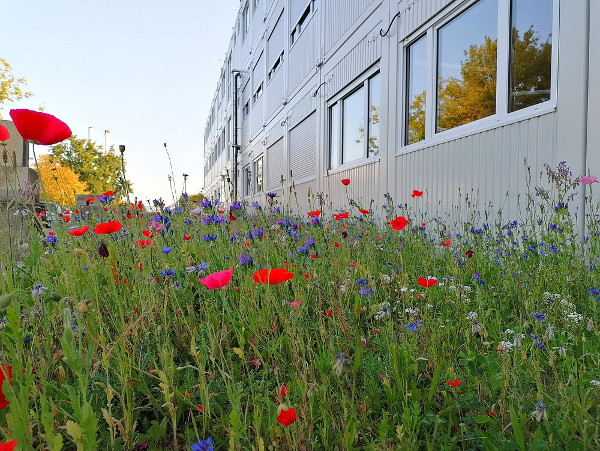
x=374 y=110
x=466 y=72
x=416 y=89
x=353 y=132
x=334 y=136
x=530 y=53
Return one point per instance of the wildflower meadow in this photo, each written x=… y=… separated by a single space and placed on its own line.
x=266 y=326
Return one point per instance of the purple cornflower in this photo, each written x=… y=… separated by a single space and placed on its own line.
x=361 y=282
x=210 y=237
x=246 y=259
x=168 y=272
x=235 y=206
x=478 y=278
x=166 y=250
x=198 y=268
x=206 y=203
x=257 y=233
x=271 y=195
x=184 y=195
x=256 y=205
x=364 y=291
x=51 y=239
x=203 y=445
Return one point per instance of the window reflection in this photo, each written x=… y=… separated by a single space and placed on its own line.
x=530 y=52
x=466 y=72
x=334 y=136
x=353 y=126
x=416 y=95
x=374 y=111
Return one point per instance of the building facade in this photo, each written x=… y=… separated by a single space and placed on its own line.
x=456 y=98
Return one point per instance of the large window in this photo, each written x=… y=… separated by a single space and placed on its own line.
x=491 y=58
x=354 y=123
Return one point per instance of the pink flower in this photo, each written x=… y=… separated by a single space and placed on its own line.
x=217 y=279
x=588 y=179
x=295 y=303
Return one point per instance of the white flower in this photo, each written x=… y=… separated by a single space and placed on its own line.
x=509 y=331
x=562 y=351
x=472 y=316
x=540 y=411
x=506 y=345
x=518 y=340
x=595 y=383
x=576 y=317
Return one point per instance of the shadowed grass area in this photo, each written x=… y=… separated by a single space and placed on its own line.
x=445 y=334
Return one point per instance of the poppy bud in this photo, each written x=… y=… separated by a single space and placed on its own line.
x=103 y=250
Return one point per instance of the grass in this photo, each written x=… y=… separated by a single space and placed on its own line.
x=130 y=351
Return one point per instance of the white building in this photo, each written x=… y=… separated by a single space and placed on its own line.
x=433 y=95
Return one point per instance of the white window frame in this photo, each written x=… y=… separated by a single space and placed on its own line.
x=502 y=116
x=362 y=82
x=247 y=181
x=258 y=188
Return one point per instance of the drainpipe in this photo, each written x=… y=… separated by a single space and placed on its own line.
x=235 y=145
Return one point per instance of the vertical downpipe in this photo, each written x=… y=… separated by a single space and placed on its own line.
x=235 y=144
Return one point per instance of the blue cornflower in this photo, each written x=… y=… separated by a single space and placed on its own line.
x=311 y=242
x=168 y=272
x=85 y=268
x=256 y=205
x=166 y=250
x=209 y=237
x=184 y=195
x=206 y=203
x=51 y=239
x=257 y=233
x=414 y=325
x=203 y=445
x=246 y=259
x=361 y=282
x=38 y=290
x=235 y=206
x=478 y=278
x=276 y=210
x=271 y=195
x=539 y=316
x=303 y=249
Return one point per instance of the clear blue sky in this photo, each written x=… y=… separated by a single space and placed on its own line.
x=144 y=69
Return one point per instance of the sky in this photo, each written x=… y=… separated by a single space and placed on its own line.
x=146 y=70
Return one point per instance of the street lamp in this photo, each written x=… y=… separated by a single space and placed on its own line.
x=123 y=179
x=185 y=176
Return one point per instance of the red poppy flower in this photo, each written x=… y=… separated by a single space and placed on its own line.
x=67 y=218
x=469 y=253
x=329 y=313
x=364 y=212
x=399 y=223
x=40 y=128
x=283 y=391
x=4 y=134
x=5 y=373
x=108 y=193
x=314 y=213
x=140 y=206
x=446 y=243
x=8 y=446
x=148 y=233
x=272 y=276
x=427 y=282
x=454 y=383
x=341 y=216
x=346 y=182
x=107 y=227
x=80 y=231
x=187 y=237
x=90 y=200
x=41 y=213
x=217 y=279
x=143 y=243
x=286 y=416
x=416 y=193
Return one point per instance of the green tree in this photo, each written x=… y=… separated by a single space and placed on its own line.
x=100 y=170
x=11 y=88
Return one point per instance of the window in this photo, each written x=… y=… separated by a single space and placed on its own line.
x=258 y=177
x=354 y=123
x=530 y=53
x=276 y=64
x=245 y=23
x=303 y=21
x=257 y=93
x=247 y=181
x=492 y=58
x=255 y=4
x=246 y=109
x=415 y=91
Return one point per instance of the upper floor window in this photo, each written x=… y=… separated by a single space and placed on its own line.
x=302 y=22
x=245 y=23
x=354 y=123
x=478 y=66
x=257 y=93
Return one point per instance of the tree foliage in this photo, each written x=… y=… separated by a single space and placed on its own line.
x=100 y=170
x=472 y=96
x=11 y=88
x=60 y=182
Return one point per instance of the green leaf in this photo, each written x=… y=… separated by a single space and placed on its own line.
x=481 y=419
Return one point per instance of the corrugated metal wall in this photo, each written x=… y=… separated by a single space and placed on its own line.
x=303 y=148
x=345 y=12
x=416 y=13
x=487 y=166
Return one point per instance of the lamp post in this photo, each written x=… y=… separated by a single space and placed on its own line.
x=185 y=176
x=123 y=179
